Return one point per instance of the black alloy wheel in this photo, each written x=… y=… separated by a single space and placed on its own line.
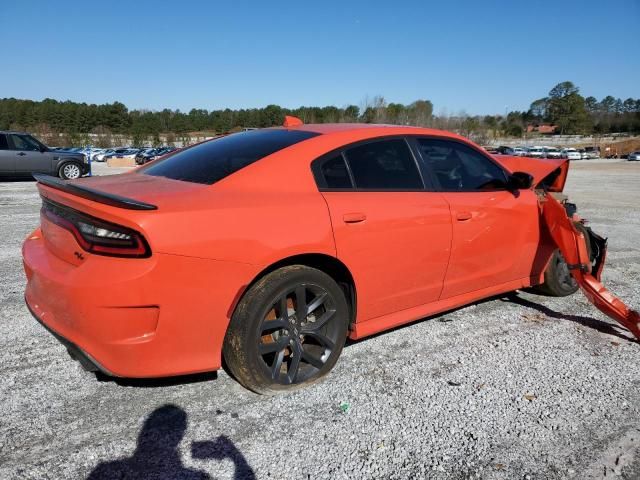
x=287 y=331
x=298 y=334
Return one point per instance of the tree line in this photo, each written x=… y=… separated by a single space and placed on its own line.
x=116 y=118
x=563 y=106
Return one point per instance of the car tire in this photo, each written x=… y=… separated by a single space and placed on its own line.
x=558 y=281
x=271 y=345
x=70 y=171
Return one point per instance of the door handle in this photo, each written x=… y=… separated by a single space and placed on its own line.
x=463 y=216
x=354 y=217
x=21 y=154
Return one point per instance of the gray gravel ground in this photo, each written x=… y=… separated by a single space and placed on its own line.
x=516 y=387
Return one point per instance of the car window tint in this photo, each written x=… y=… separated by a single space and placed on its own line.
x=335 y=173
x=3 y=142
x=458 y=167
x=24 y=142
x=214 y=160
x=384 y=165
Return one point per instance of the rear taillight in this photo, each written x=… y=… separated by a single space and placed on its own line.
x=95 y=235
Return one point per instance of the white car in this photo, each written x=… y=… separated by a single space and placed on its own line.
x=519 y=151
x=634 y=156
x=99 y=157
x=571 y=154
x=535 y=152
x=551 y=152
x=129 y=153
x=592 y=152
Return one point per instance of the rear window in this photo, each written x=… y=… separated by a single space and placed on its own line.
x=214 y=160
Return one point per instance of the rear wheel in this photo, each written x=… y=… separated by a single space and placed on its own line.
x=287 y=331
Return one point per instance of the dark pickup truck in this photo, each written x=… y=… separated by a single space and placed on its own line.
x=21 y=155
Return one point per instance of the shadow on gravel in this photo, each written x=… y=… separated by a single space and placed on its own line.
x=588 y=322
x=157 y=455
x=158 y=382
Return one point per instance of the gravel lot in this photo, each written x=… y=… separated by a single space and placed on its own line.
x=517 y=387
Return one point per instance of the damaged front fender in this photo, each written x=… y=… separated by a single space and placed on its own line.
x=585 y=268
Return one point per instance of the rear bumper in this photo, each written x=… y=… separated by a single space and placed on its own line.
x=88 y=363
x=160 y=316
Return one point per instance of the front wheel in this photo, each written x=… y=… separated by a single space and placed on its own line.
x=69 y=171
x=558 y=281
x=287 y=331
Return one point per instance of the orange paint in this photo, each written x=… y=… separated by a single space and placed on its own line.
x=411 y=254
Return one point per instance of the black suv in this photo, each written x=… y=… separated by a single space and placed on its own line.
x=21 y=155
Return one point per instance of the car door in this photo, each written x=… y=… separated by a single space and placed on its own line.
x=495 y=231
x=392 y=233
x=29 y=157
x=7 y=157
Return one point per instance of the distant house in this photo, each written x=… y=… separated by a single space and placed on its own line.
x=541 y=128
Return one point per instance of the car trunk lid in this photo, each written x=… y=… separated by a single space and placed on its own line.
x=121 y=204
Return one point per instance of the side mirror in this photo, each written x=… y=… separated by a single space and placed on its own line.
x=43 y=148
x=520 y=181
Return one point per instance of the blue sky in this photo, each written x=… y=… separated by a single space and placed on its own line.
x=472 y=56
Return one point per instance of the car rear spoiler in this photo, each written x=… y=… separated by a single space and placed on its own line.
x=91 y=194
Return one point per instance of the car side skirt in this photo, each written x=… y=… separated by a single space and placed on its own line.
x=386 y=322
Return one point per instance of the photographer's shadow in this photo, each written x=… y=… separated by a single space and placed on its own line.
x=157 y=456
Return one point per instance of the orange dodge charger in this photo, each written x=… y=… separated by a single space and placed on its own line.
x=270 y=247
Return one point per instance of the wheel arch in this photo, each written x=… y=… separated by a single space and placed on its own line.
x=63 y=161
x=320 y=261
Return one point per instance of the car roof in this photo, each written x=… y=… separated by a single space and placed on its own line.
x=375 y=129
x=15 y=131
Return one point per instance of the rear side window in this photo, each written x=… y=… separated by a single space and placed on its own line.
x=335 y=173
x=384 y=165
x=3 y=142
x=212 y=161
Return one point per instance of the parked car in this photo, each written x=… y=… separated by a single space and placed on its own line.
x=502 y=150
x=592 y=152
x=520 y=151
x=535 y=152
x=100 y=156
x=492 y=150
x=145 y=155
x=634 y=156
x=120 y=153
x=571 y=154
x=269 y=247
x=113 y=152
x=129 y=153
x=157 y=153
x=551 y=152
x=21 y=154
x=583 y=154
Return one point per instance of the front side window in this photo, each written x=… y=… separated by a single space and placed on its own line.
x=384 y=165
x=216 y=159
x=24 y=142
x=458 y=167
x=3 y=142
